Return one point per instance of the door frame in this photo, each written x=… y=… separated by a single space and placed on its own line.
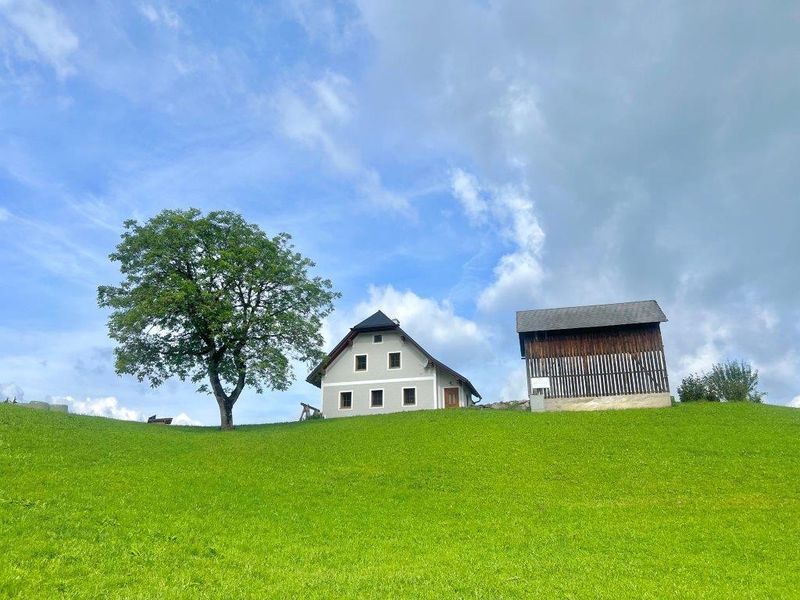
x=458 y=396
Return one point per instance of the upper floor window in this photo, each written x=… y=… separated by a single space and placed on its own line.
x=377 y=338
x=361 y=362
x=394 y=360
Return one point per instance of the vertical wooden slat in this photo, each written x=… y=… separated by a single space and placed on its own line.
x=608 y=361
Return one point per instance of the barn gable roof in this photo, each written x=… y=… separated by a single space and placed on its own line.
x=595 y=315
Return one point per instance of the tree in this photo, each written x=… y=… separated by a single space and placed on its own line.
x=213 y=299
x=732 y=381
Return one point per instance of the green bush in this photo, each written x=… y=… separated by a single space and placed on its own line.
x=694 y=388
x=732 y=381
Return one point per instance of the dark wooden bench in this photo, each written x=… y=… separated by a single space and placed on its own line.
x=162 y=421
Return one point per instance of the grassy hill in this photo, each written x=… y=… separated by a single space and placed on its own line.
x=693 y=501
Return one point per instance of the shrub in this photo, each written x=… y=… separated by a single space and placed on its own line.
x=694 y=388
x=732 y=381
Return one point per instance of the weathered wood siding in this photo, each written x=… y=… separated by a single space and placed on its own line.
x=605 y=361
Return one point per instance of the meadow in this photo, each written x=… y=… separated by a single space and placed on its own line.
x=695 y=501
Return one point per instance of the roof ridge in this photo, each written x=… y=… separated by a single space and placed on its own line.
x=588 y=305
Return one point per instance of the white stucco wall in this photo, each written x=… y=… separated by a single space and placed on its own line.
x=341 y=375
x=444 y=379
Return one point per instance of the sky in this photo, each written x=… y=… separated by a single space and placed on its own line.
x=446 y=162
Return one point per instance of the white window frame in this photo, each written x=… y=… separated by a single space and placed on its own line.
x=351 y=399
x=355 y=363
x=374 y=335
x=383 y=397
x=403 y=396
x=388 y=360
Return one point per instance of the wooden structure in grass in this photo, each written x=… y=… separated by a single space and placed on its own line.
x=309 y=412
x=153 y=420
x=599 y=356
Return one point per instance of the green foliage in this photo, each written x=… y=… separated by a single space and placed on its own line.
x=732 y=381
x=697 y=501
x=213 y=299
x=694 y=388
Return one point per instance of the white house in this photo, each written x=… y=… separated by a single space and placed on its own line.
x=378 y=368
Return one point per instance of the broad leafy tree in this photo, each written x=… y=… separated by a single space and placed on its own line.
x=213 y=299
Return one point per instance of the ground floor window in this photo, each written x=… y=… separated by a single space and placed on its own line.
x=345 y=400
x=409 y=396
x=376 y=398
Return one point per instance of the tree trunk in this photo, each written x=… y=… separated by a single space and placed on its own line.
x=224 y=401
x=225 y=413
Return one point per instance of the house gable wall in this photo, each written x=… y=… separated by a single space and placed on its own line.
x=341 y=375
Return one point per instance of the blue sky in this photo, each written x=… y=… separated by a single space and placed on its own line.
x=448 y=162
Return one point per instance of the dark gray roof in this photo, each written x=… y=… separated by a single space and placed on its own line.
x=596 y=315
x=375 y=321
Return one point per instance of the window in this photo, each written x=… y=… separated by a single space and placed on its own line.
x=394 y=360
x=409 y=396
x=375 y=398
x=377 y=338
x=361 y=362
x=345 y=400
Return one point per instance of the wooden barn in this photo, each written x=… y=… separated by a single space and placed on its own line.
x=594 y=357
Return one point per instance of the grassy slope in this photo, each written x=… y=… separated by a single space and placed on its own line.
x=695 y=501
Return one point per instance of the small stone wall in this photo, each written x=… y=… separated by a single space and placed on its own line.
x=39 y=405
x=608 y=402
x=507 y=405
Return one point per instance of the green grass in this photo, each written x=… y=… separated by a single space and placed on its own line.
x=695 y=501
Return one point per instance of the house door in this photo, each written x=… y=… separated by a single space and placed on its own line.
x=451 y=397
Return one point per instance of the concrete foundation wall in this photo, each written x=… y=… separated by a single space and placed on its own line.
x=608 y=402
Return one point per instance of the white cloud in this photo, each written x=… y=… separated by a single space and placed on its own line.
x=45 y=29
x=98 y=407
x=184 y=419
x=515 y=386
x=518 y=119
x=322 y=22
x=10 y=391
x=160 y=15
x=715 y=337
x=795 y=402
x=315 y=115
x=467 y=191
x=783 y=367
x=517 y=279
x=519 y=274
x=5 y=214
x=767 y=317
x=334 y=94
x=432 y=323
